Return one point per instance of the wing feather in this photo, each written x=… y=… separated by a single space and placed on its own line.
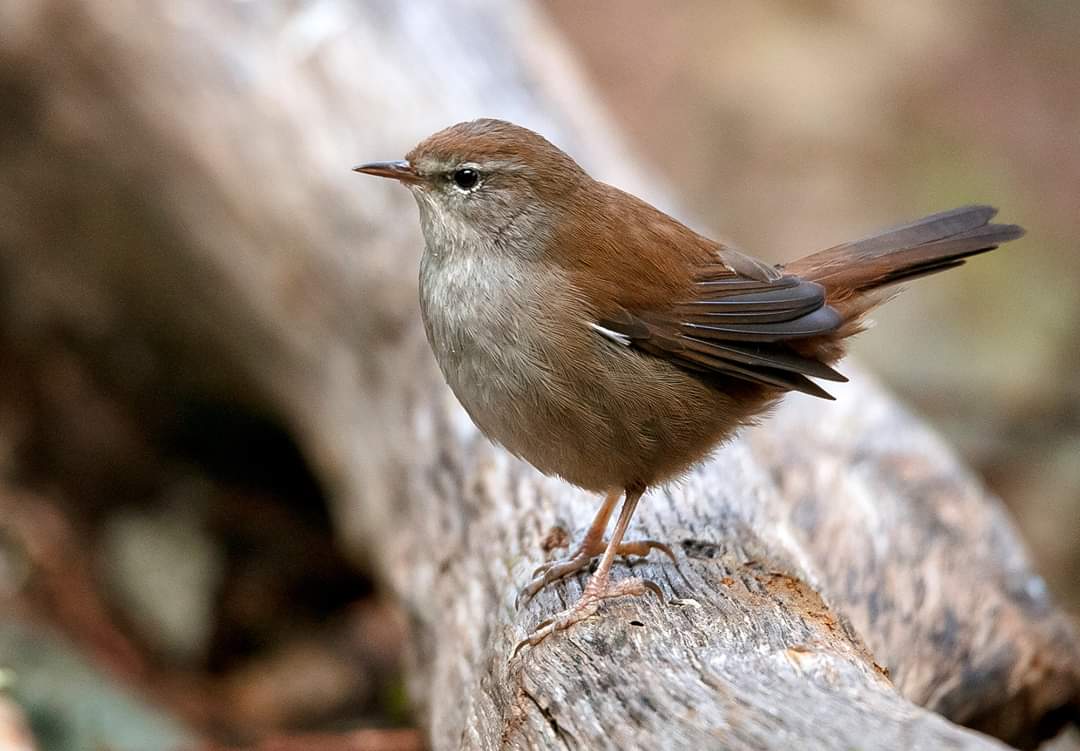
x=739 y=327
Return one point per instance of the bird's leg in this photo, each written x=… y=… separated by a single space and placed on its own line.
x=598 y=587
x=591 y=546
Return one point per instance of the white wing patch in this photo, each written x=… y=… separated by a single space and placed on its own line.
x=614 y=336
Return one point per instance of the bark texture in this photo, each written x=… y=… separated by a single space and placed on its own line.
x=175 y=197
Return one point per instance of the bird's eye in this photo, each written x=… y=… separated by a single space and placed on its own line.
x=465 y=178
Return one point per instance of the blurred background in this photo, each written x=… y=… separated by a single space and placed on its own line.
x=185 y=543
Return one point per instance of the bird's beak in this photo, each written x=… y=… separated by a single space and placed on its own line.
x=400 y=170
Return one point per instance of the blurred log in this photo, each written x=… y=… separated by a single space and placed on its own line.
x=175 y=198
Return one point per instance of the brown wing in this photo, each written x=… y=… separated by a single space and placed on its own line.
x=739 y=322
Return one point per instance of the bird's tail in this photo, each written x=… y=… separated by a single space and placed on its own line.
x=856 y=274
x=926 y=246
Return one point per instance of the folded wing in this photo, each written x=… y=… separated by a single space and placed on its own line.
x=740 y=324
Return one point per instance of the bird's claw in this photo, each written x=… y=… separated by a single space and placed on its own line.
x=553 y=571
x=586 y=606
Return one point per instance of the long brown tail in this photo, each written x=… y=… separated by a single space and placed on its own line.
x=926 y=246
x=854 y=274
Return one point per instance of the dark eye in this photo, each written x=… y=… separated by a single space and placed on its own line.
x=466 y=178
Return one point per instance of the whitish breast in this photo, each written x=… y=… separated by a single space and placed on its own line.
x=479 y=313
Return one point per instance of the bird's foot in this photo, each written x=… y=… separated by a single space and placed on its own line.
x=586 y=606
x=553 y=571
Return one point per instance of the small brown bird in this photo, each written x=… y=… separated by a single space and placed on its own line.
x=601 y=340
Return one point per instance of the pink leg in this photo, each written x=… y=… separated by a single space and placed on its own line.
x=591 y=546
x=599 y=587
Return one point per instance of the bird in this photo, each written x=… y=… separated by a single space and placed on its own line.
x=605 y=342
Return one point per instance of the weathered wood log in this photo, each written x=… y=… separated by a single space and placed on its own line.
x=175 y=196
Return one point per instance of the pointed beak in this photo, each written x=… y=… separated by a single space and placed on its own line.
x=400 y=170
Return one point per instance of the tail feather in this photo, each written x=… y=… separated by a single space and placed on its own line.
x=856 y=274
x=926 y=246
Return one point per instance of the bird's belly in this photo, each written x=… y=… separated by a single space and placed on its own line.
x=562 y=397
x=495 y=357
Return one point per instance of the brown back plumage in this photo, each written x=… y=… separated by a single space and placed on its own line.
x=779 y=327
